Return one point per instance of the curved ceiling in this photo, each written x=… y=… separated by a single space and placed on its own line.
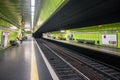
x=16 y=12
x=55 y=16
x=47 y=9
x=82 y=13
x=19 y=12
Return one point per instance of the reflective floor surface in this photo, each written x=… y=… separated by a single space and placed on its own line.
x=23 y=62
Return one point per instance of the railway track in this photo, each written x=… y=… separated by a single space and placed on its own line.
x=70 y=66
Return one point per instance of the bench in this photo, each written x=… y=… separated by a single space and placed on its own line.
x=86 y=41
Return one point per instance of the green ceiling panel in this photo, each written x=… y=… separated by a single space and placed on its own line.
x=113 y=26
x=16 y=12
x=9 y=11
x=4 y=23
x=49 y=8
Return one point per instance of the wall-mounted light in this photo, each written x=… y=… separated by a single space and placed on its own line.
x=62 y=30
x=27 y=29
x=39 y=22
x=100 y=26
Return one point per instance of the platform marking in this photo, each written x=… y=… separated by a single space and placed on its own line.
x=34 y=68
x=51 y=70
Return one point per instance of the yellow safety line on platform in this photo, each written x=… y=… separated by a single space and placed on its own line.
x=34 y=69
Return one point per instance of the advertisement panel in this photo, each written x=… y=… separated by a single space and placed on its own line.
x=4 y=39
x=109 y=39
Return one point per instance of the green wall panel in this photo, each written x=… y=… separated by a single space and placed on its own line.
x=12 y=36
x=93 y=33
x=119 y=40
x=0 y=36
x=113 y=26
x=88 y=36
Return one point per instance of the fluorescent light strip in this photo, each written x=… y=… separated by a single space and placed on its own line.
x=32 y=11
x=32 y=2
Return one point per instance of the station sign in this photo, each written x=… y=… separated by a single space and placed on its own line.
x=109 y=39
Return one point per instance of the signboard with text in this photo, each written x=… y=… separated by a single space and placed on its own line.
x=109 y=39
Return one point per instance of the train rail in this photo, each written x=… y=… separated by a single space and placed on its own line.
x=71 y=66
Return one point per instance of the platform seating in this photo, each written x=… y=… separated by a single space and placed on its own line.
x=13 y=42
x=80 y=40
x=86 y=41
x=89 y=41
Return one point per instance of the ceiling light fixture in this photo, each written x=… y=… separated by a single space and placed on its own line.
x=27 y=30
x=27 y=26
x=13 y=27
